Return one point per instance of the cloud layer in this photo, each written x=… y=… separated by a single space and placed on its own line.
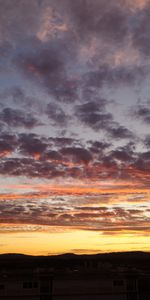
x=75 y=113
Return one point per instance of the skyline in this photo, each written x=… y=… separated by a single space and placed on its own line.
x=74 y=126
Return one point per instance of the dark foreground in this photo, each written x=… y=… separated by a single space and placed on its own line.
x=116 y=276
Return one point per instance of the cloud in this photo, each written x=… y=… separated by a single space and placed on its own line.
x=142 y=112
x=56 y=114
x=77 y=155
x=147 y=141
x=48 y=157
x=92 y=208
x=46 y=64
x=52 y=155
x=145 y=155
x=93 y=114
x=137 y=4
x=143 y=164
x=70 y=159
x=92 y=107
x=96 y=18
x=110 y=75
x=123 y=155
x=52 y=47
x=31 y=145
x=63 y=141
x=17 y=118
x=141 y=36
x=51 y=24
x=22 y=16
x=120 y=132
x=8 y=144
x=49 y=65
x=86 y=218
x=97 y=147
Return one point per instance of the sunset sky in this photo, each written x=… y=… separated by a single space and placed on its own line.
x=74 y=126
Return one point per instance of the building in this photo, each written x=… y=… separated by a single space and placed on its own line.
x=43 y=285
x=73 y=278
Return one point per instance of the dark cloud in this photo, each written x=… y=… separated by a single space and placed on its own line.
x=48 y=64
x=5 y=49
x=56 y=114
x=142 y=164
x=125 y=154
x=17 y=118
x=120 y=132
x=91 y=208
x=17 y=100
x=30 y=168
x=68 y=158
x=63 y=141
x=93 y=114
x=31 y=144
x=77 y=155
x=45 y=64
x=52 y=155
x=142 y=112
x=15 y=166
x=16 y=93
x=122 y=155
x=147 y=141
x=108 y=75
x=98 y=147
x=39 y=168
x=145 y=155
x=8 y=144
x=141 y=35
x=92 y=107
x=67 y=91
x=22 y=99
x=97 y=18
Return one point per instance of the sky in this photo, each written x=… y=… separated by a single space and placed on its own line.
x=74 y=126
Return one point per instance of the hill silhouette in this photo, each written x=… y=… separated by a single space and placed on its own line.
x=21 y=261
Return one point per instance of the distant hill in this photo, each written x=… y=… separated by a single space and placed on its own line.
x=129 y=259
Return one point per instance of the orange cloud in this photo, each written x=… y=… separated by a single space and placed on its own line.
x=136 y=4
x=49 y=26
